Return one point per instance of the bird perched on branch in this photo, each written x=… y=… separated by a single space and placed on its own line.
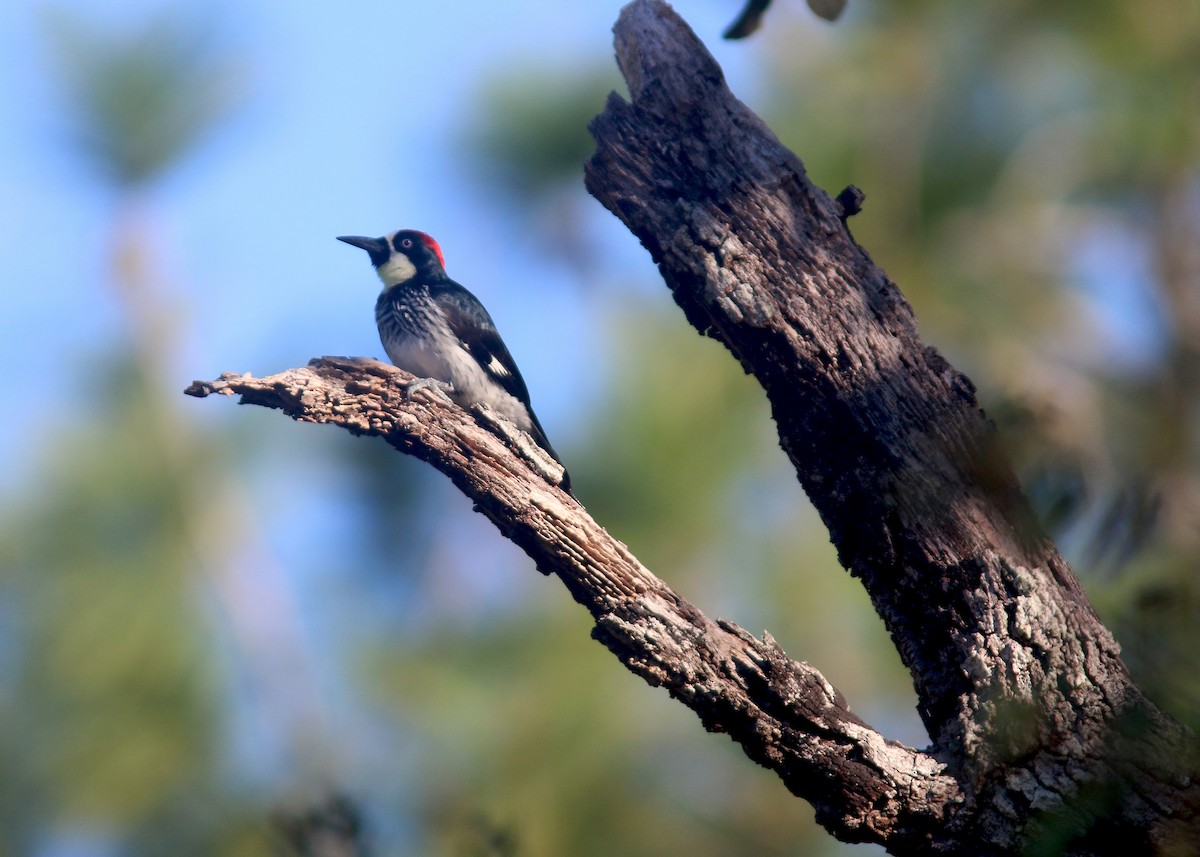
x=440 y=332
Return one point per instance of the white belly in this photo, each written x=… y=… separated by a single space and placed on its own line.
x=457 y=367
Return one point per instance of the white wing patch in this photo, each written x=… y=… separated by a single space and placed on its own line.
x=497 y=368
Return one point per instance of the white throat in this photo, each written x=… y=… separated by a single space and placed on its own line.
x=396 y=269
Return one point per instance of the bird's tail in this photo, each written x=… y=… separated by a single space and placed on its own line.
x=539 y=437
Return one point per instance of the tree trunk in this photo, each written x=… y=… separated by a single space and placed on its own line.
x=1041 y=742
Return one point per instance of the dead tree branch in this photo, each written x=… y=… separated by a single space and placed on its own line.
x=784 y=713
x=1020 y=685
x=1039 y=734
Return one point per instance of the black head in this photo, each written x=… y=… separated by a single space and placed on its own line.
x=402 y=255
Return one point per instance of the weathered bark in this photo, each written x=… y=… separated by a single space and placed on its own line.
x=1039 y=736
x=1020 y=685
x=784 y=713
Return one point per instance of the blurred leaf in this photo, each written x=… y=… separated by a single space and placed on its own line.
x=685 y=422
x=115 y=687
x=996 y=142
x=530 y=137
x=140 y=102
x=748 y=20
x=332 y=827
x=830 y=10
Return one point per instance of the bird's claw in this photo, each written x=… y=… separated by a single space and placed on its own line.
x=437 y=389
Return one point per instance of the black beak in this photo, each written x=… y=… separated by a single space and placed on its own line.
x=377 y=247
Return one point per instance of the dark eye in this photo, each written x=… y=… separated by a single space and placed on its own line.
x=406 y=243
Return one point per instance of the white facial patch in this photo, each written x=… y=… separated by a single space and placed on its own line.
x=397 y=269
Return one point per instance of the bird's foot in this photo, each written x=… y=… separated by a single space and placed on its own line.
x=437 y=389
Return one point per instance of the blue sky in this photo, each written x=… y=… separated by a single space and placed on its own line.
x=351 y=123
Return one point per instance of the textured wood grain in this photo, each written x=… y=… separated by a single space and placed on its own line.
x=1020 y=685
x=1040 y=739
x=784 y=713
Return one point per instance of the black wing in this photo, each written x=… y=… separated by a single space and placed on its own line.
x=473 y=326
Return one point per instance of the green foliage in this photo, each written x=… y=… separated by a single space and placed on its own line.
x=116 y=700
x=117 y=696
x=532 y=138
x=140 y=102
x=1031 y=175
x=532 y=743
x=680 y=411
x=997 y=144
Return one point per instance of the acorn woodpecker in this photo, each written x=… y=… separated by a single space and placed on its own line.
x=437 y=330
